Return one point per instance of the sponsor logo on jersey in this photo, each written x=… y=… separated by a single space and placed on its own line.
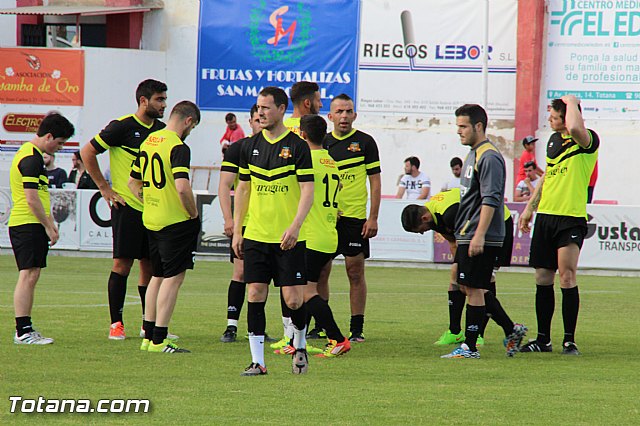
x=354 y=147
x=285 y=152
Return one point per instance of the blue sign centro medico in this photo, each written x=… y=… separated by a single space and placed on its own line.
x=244 y=46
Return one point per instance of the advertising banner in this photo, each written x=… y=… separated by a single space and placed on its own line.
x=593 y=52
x=423 y=59
x=244 y=46
x=212 y=238
x=95 y=221
x=393 y=243
x=41 y=76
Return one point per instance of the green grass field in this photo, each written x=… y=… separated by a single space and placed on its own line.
x=396 y=377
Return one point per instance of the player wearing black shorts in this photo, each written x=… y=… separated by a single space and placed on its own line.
x=439 y=214
x=228 y=181
x=160 y=179
x=31 y=227
x=561 y=222
x=356 y=154
x=276 y=189
x=122 y=138
x=480 y=230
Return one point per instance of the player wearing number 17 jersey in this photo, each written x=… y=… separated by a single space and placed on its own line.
x=160 y=179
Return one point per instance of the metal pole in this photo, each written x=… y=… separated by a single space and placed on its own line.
x=485 y=58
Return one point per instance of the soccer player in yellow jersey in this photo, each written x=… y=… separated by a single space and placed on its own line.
x=31 y=226
x=320 y=229
x=228 y=181
x=122 y=138
x=276 y=189
x=356 y=154
x=561 y=223
x=160 y=179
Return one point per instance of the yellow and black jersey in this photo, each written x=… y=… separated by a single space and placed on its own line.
x=569 y=168
x=231 y=163
x=122 y=137
x=356 y=155
x=320 y=225
x=28 y=172
x=162 y=159
x=293 y=124
x=274 y=167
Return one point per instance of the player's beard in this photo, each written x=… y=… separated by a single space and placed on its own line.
x=153 y=113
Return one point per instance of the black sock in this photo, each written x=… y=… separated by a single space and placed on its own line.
x=487 y=317
x=497 y=312
x=545 y=305
x=492 y=288
x=475 y=314
x=159 y=334
x=23 y=325
x=256 y=320
x=142 y=291
x=235 y=299
x=148 y=327
x=324 y=317
x=357 y=324
x=286 y=311
x=299 y=317
x=456 y=305
x=117 y=292
x=570 y=308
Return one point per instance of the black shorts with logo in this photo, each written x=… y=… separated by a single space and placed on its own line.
x=130 y=237
x=315 y=261
x=350 y=240
x=476 y=271
x=30 y=245
x=264 y=262
x=173 y=248
x=504 y=256
x=551 y=232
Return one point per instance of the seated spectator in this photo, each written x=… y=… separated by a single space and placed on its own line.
x=79 y=175
x=592 y=184
x=56 y=175
x=529 y=154
x=233 y=133
x=456 y=169
x=525 y=187
x=415 y=184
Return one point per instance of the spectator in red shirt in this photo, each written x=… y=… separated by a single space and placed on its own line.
x=233 y=133
x=528 y=155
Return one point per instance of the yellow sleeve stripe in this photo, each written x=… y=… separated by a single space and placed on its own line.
x=304 y=171
x=29 y=179
x=243 y=171
x=228 y=164
x=372 y=165
x=101 y=142
x=180 y=170
x=272 y=172
x=350 y=161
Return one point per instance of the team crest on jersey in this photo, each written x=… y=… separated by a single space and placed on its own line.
x=285 y=153
x=354 y=147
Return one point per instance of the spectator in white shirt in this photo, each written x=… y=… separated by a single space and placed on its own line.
x=456 y=169
x=525 y=187
x=415 y=184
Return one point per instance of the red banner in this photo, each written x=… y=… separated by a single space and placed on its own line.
x=42 y=76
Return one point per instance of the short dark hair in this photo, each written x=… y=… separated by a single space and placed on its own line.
x=57 y=125
x=455 y=161
x=229 y=117
x=148 y=88
x=253 y=110
x=561 y=107
x=303 y=90
x=414 y=161
x=77 y=155
x=342 y=97
x=412 y=217
x=530 y=164
x=279 y=95
x=476 y=114
x=187 y=109
x=315 y=127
